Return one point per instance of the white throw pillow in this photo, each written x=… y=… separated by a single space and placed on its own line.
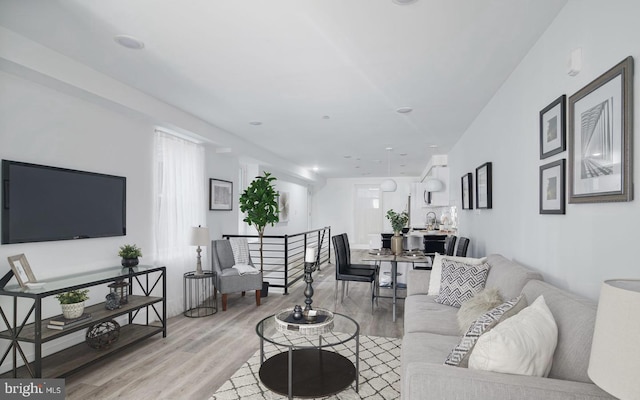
x=523 y=344
x=436 y=269
x=459 y=356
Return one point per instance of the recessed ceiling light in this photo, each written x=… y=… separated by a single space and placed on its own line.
x=315 y=169
x=433 y=146
x=347 y=156
x=404 y=2
x=388 y=148
x=404 y=110
x=129 y=42
x=256 y=123
x=403 y=154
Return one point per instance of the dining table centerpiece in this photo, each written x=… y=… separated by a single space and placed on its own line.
x=398 y=221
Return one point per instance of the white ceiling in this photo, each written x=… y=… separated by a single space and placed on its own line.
x=290 y=64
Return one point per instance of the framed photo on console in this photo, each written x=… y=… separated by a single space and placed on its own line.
x=467 y=191
x=552 y=128
x=483 y=186
x=552 y=189
x=600 y=138
x=220 y=195
x=21 y=269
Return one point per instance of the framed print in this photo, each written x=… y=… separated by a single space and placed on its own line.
x=467 y=193
x=21 y=269
x=600 y=138
x=483 y=186
x=220 y=195
x=552 y=188
x=552 y=128
x=283 y=206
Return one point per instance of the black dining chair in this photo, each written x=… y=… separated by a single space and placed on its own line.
x=463 y=245
x=449 y=245
x=346 y=273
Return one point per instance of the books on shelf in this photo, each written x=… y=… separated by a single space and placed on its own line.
x=61 y=322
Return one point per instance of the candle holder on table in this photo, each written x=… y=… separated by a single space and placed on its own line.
x=309 y=264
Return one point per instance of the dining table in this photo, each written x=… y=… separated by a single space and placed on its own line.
x=379 y=257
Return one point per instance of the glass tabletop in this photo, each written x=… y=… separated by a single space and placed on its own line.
x=344 y=329
x=65 y=282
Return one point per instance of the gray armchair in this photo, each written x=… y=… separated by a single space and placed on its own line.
x=227 y=279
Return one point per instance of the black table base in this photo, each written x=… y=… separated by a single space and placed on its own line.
x=316 y=373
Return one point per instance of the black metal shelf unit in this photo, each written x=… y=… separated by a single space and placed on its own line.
x=70 y=360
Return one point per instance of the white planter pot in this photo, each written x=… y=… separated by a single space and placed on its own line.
x=70 y=311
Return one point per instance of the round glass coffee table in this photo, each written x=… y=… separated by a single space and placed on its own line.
x=307 y=362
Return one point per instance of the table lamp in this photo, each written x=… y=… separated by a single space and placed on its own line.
x=199 y=237
x=615 y=352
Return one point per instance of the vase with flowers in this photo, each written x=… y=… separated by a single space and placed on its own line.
x=398 y=221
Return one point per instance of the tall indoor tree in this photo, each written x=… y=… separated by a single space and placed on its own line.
x=259 y=202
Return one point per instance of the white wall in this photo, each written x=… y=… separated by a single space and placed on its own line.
x=225 y=167
x=333 y=203
x=592 y=242
x=43 y=126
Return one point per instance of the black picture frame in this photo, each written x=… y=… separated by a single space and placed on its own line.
x=601 y=136
x=220 y=195
x=484 y=186
x=467 y=191
x=553 y=131
x=552 y=187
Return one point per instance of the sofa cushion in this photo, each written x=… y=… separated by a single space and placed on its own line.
x=459 y=356
x=460 y=282
x=522 y=345
x=426 y=347
x=575 y=317
x=436 y=269
x=508 y=276
x=422 y=314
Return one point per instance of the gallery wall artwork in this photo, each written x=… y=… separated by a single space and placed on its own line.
x=552 y=188
x=220 y=195
x=484 y=186
x=600 y=138
x=552 y=128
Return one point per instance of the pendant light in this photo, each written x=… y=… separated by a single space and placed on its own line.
x=388 y=185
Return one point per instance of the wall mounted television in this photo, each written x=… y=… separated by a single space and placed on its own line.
x=43 y=203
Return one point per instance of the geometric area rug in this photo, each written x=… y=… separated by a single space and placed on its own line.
x=379 y=374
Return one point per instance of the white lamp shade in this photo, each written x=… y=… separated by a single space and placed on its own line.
x=433 y=185
x=388 y=185
x=615 y=352
x=199 y=236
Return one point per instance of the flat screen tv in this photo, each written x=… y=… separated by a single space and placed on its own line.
x=42 y=203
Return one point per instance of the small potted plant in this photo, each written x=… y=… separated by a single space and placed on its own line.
x=398 y=221
x=72 y=303
x=130 y=254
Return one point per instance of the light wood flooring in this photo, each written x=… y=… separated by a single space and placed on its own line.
x=200 y=354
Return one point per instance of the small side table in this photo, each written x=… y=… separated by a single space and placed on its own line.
x=200 y=297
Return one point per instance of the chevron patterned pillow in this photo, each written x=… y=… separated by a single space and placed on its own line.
x=460 y=282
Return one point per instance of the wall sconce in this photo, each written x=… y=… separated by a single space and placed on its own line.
x=575 y=62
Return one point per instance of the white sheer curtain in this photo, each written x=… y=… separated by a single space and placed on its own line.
x=179 y=205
